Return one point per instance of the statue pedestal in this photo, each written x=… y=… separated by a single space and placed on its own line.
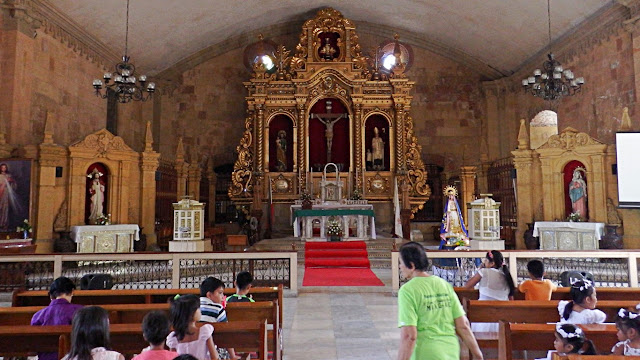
x=190 y=246
x=486 y=244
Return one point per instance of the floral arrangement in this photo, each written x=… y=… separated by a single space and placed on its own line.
x=356 y=195
x=305 y=196
x=456 y=241
x=574 y=217
x=334 y=228
x=25 y=226
x=103 y=220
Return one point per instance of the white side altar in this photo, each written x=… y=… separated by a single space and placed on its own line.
x=555 y=235
x=349 y=213
x=105 y=238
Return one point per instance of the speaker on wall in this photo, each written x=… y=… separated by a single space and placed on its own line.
x=614 y=169
x=58 y=171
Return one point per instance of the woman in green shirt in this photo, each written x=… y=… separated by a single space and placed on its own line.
x=429 y=313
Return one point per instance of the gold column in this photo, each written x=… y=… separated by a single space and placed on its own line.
x=148 y=166
x=400 y=165
x=468 y=185
x=302 y=145
x=259 y=164
x=358 y=153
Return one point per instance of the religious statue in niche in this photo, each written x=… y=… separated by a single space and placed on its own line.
x=96 y=191
x=377 y=150
x=452 y=229
x=327 y=51
x=281 y=151
x=578 y=193
x=329 y=119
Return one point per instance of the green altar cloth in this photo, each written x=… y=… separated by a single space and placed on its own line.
x=332 y=212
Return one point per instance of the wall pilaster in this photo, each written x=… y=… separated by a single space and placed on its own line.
x=468 y=188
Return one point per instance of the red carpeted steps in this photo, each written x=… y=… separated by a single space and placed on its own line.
x=349 y=254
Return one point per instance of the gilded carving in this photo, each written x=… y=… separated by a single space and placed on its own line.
x=377 y=184
x=242 y=169
x=415 y=165
x=282 y=185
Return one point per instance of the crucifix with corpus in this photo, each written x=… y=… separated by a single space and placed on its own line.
x=328 y=119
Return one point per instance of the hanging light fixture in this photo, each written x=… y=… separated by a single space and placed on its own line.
x=124 y=85
x=553 y=82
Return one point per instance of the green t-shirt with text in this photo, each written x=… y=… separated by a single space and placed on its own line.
x=431 y=305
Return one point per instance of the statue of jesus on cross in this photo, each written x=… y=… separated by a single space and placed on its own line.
x=328 y=119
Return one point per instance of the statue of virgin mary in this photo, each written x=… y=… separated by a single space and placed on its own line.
x=452 y=220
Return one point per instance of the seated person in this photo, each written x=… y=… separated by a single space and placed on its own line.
x=212 y=310
x=243 y=286
x=155 y=328
x=537 y=288
x=59 y=312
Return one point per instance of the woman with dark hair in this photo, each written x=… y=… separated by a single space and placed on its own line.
x=90 y=336
x=496 y=284
x=429 y=312
x=187 y=337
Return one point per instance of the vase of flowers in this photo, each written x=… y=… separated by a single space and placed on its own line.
x=356 y=195
x=103 y=220
x=307 y=203
x=334 y=230
x=25 y=228
x=574 y=217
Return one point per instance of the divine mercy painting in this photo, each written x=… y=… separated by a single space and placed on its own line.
x=15 y=190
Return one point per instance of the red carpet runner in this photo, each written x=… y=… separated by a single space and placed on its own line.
x=338 y=264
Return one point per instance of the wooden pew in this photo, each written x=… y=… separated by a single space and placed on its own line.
x=244 y=336
x=604 y=293
x=527 y=311
x=134 y=313
x=143 y=296
x=267 y=310
x=540 y=337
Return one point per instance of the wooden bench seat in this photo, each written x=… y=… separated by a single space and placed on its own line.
x=143 y=296
x=513 y=337
x=604 y=293
x=134 y=313
x=556 y=356
x=24 y=340
x=528 y=311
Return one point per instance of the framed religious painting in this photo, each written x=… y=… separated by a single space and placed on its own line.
x=15 y=195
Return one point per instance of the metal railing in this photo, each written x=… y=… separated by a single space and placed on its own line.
x=150 y=270
x=610 y=268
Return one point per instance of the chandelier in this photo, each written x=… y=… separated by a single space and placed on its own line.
x=553 y=82
x=124 y=85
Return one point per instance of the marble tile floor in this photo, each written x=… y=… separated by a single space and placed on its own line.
x=341 y=323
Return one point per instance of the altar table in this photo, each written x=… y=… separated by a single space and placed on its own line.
x=558 y=235
x=105 y=238
x=304 y=219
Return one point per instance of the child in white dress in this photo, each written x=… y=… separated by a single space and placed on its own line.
x=582 y=308
x=186 y=337
x=628 y=324
x=496 y=283
x=570 y=339
x=90 y=336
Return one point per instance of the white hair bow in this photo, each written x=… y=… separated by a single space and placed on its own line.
x=585 y=284
x=623 y=313
x=565 y=335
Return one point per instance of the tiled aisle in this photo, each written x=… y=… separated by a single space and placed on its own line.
x=342 y=323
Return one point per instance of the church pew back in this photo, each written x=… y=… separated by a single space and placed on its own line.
x=604 y=293
x=513 y=337
x=556 y=356
x=143 y=296
x=23 y=340
x=528 y=311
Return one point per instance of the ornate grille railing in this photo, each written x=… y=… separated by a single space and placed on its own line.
x=150 y=271
x=610 y=268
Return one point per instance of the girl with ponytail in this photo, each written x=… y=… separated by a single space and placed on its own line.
x=582 y=308
x=495 y=283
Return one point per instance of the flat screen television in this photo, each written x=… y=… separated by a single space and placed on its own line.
x=628 y=155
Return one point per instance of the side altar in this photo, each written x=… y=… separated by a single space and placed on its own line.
x=561 y=235
x=105 y=238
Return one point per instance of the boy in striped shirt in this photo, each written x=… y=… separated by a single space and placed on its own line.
x=211 y=300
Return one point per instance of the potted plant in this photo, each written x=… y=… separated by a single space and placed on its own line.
x=306 y=198
x=25 y=228
x=334 y=230
x=356 y=195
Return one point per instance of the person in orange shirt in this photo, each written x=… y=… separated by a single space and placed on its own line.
x=537 y=288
